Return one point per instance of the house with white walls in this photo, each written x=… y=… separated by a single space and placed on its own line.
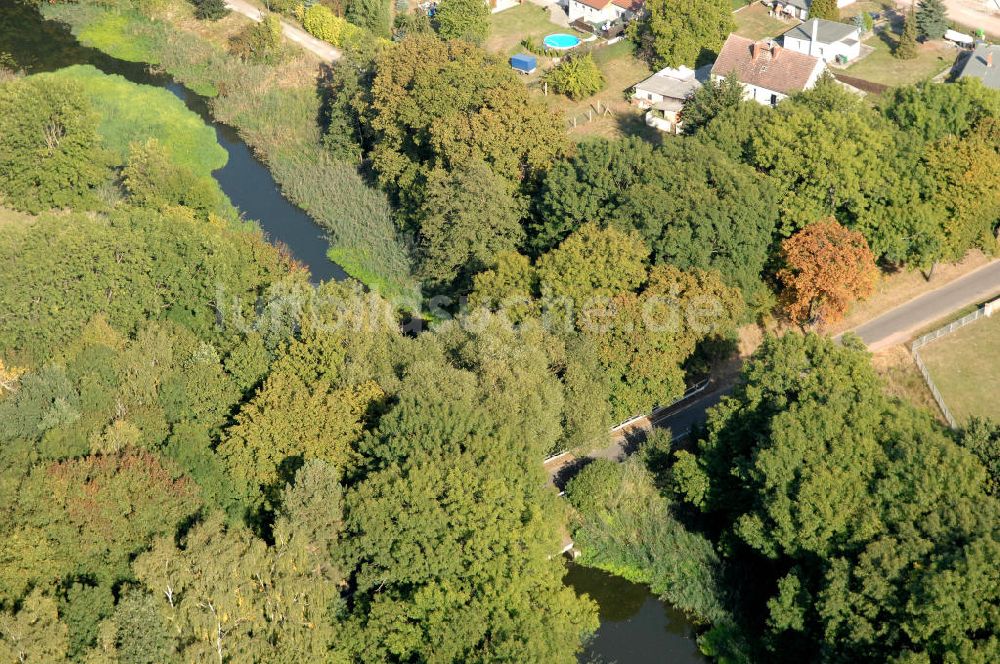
x=824 y=39
x=768 y=72
x=599 y=12
x=662 y=96
x=799 y=8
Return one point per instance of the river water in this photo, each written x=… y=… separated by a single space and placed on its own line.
x=38 y=45
x=636 y=627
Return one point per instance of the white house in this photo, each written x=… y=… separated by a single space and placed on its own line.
x=599 y=12
x=768 y=72
x=799 y=8
x=824 y=39
x=663 y=95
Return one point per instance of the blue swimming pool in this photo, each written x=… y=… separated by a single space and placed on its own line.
x=561 y=42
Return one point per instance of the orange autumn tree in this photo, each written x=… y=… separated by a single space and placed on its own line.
x=826 y=268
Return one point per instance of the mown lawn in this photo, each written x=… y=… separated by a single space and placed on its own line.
x=509 y=27
x=754 y=23
x=882 y=67
x=965 y=365
x=622 y=70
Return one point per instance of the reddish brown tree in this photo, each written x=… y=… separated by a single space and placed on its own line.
x=826 y=268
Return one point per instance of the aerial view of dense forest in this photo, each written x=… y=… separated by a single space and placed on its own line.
x=331 y=333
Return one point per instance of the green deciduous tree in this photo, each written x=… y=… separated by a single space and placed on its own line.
x=694 y=207
x=194 y=263
x=210 y=10
x=828 y=152
x=825 y=9
x=594 y=263
x=709 y=100
x=576 y=77
x=934 y=110
x=90 y=516
x=932 y=19
x=463 y=19
x=437 y=105
x=467 y=217
x=982 y=438
x=295 y=417
x=963 y=179
x=838 y=491
x=678 y=32
x=50 y=151
x=372 y=15
x=426 y=588
x=153 y=179
x=230 y=597
x=643 y=339
x=34 y=634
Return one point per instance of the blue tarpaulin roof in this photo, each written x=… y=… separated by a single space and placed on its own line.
x=523 y=62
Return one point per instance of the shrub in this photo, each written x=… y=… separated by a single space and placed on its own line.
x=463 y=19
x=152 y=179
x=322 y=23
x=259 y=42
x=210 y=10
x=50 y=149
x=576 y=77
x=370 y=14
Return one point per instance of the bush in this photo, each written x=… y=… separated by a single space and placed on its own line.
x=259 y=42
x=463 y=19
x=576 y=77
x=322 y=23
x=210 y=10
x=152 y=179
x=50 y=149
x=370 y=14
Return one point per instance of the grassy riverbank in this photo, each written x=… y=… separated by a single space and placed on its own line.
x=276 y=111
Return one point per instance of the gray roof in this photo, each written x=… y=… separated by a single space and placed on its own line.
x=976 y=65
x=827 y=32
x=668 y=86
x=801 y=4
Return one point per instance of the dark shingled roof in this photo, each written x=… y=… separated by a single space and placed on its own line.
x=827 y=32
x=979 y=65
x=773 y=67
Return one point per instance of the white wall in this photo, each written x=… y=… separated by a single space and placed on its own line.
x=826 y=51
x=579 y=10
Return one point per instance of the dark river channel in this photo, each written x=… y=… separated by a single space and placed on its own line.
x=636 y=627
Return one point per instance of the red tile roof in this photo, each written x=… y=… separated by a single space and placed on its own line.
x=632 y=5
x=765 y=64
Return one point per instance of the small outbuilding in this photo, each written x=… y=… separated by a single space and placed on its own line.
x=524 y=63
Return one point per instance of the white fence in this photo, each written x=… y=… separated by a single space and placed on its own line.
x=920 y=342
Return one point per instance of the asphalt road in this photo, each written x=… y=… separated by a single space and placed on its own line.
x=897 y=325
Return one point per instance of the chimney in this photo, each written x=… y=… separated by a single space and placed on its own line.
x=989 y=58
x=815 y=29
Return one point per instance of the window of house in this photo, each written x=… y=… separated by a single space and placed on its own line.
x=774 y=100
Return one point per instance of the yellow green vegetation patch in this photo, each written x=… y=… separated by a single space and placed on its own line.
x=119 y=36
x=135 y=113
